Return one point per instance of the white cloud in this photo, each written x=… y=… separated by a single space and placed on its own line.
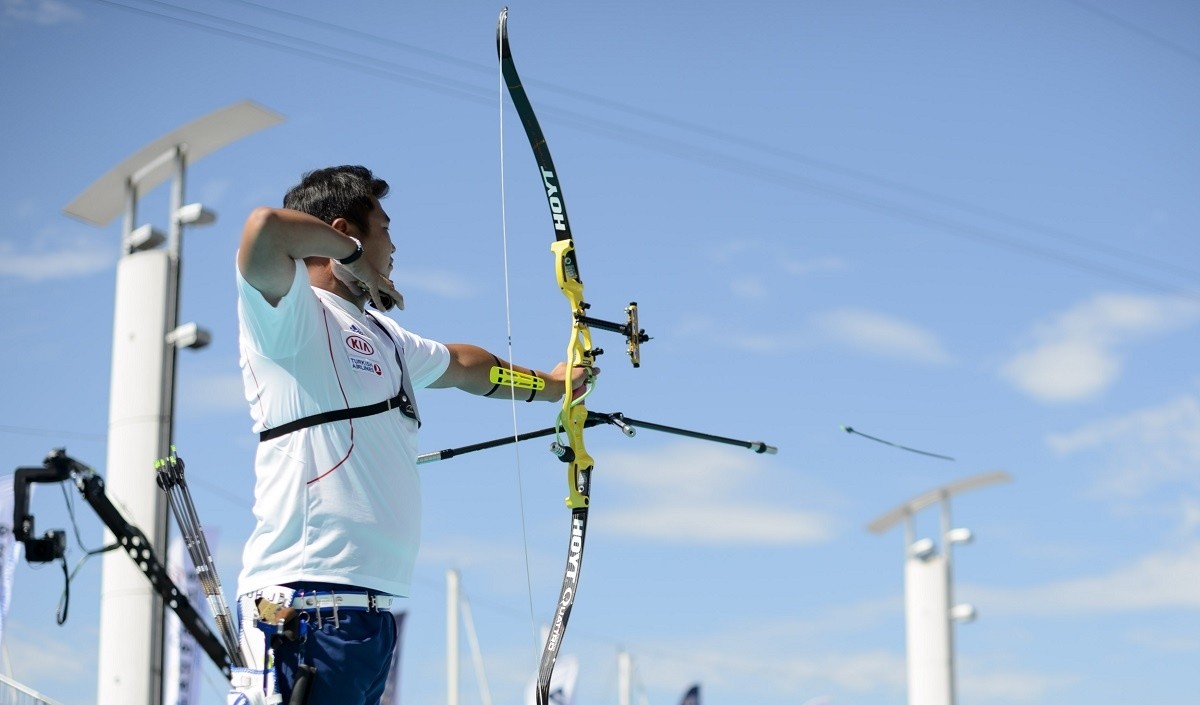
x=699 y=496
x=748 y=657
x=879 y=334
x=1142 y=450
x=716 y=524
x=1162 y=640
x=1144 y=426
x=684 y=468
x=43 y=12
x=478 y=555
x=864 y=672
x=749 y=288
x=753 y=287
x=1076 y=355
x=214 y=393
x=865 y=331
x=768 y=343
x=764 y=254
x=802 y=268
x=1063 y=371
x=444 y=283
x=1011 y=686
x=729 y=250
x=792 y=659
x=694 y=326
x=1189 y=513
x=39 y=655
x=1158 y=581
x=53 y=257
x=782 y=658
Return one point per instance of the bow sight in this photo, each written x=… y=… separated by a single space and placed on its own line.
x=634 y=336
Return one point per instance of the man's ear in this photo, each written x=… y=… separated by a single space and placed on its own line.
x=341 y=225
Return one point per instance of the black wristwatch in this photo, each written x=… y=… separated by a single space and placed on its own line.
x=353 y=256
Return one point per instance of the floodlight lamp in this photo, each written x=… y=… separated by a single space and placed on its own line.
x=145 y=237
x=922 y=549
x=960 y=536
x=195 y=214
x=963 y=613
x=189 y=335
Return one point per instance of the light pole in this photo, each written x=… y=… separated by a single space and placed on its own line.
x=146 y=335
x=929 y=591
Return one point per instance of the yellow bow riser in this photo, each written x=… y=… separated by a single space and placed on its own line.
x=580 y=353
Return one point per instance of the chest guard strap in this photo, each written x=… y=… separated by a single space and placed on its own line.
x=404 y=402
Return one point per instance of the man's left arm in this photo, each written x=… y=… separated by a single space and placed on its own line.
x=470 y=368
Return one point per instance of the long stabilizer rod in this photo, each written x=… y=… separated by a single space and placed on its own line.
x=627 y=425
x=171 y=480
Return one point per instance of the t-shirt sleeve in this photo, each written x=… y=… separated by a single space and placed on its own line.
x=424 y=359
x=277 y=331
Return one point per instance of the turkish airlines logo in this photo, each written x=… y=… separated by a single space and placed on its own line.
x=359 y=344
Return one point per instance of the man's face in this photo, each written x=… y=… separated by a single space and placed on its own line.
x=377 y=241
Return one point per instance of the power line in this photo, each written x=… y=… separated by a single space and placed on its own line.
x=1144 y=33
x=336 y=55
x=691 y=152
x=27 y=431
x=767 y=148
x=360 y=34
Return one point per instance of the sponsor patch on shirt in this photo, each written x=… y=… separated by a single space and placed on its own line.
x=361 y=354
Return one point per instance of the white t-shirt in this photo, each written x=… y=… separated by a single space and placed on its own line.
x=337 y=502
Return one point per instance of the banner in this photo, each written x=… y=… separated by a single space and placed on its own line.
x=562 y=682
x=181 y=653
x=10 y=550
x=692 y=697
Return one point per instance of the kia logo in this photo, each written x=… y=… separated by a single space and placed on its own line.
x=359 y=344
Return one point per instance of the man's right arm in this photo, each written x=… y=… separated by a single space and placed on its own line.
x=273 y=238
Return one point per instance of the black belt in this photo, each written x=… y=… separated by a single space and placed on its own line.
x=400 y=402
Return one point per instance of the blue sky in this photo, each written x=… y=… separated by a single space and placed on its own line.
x=969 y=228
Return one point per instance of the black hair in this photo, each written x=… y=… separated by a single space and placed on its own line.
x=337 y=192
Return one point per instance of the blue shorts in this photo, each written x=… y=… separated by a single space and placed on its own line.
x=352 y=655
